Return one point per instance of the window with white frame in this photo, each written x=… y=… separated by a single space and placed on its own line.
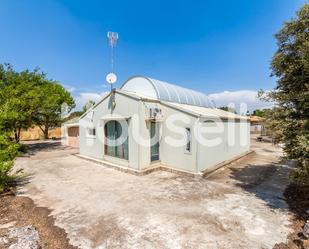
x=188 y=138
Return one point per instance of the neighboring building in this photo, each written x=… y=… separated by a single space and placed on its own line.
x=143 y=106
x=257 y=125
x=70 y=131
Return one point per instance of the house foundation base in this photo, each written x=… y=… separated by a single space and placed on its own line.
x=148 y=170
x=162 y=167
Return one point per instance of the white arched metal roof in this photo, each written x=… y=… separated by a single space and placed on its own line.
x=165 y=91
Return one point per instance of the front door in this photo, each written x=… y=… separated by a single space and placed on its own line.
x=154 y=135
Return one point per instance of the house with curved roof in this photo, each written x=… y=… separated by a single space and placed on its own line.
x=149 y=124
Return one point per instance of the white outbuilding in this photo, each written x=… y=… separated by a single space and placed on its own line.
x=148 y=124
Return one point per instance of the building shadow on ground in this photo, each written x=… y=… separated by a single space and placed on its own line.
x=266 y=181
x=38 y=146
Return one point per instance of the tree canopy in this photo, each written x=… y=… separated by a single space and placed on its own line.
x=88 y=105
x=52 y=97
x=28 y=98
x=19 y=100
x=228 y=109
x=260 y=112
x=290 y=117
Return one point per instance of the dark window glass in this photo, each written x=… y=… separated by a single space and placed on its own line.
x=155 y=146
x=113 y=131
x=188 y=140
x=91 y=131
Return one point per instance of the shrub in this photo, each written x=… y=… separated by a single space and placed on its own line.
x=6 y=179
x=8 y=152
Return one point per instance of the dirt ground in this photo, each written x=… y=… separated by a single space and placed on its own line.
x=238 y=207
x=297 y=197
x=21 y=212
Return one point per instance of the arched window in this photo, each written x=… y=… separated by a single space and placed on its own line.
x=116 y=140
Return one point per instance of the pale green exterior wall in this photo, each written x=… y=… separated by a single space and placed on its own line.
x=209 y=157
x=176 y=157
x=94 y=147
x=200 y=157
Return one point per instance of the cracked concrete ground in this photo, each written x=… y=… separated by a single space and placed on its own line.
x=241 y=206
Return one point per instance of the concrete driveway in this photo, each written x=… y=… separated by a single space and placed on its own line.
x=238 y=207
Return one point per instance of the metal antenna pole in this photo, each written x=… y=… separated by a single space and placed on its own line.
x=112 y=42
x=112 y=63
x=112 y=59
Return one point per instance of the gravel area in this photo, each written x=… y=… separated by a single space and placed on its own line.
x=23 y=225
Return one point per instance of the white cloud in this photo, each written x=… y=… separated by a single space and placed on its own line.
x=84 y=97
x=225 y=98
x=248 y=97
x=69 y=88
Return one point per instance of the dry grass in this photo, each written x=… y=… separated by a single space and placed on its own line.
x=36 y=134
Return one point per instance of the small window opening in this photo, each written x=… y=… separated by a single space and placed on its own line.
x=91 y=131
x=188 y=140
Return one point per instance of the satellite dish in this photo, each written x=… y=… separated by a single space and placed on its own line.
x=111 y=78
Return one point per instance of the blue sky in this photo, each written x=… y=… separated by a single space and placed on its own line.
x=212 y=46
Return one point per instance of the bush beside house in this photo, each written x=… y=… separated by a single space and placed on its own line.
x=8 y=152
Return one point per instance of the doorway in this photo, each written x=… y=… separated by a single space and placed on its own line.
x=155 y=144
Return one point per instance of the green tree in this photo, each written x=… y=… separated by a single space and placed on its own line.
x=290 y=65
x=260 y=113
x=19 y=99
x=88 y=105
x=52 y=98
x=228 y=109
x=28 y=98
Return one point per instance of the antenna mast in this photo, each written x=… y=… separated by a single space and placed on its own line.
x=112 y=37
